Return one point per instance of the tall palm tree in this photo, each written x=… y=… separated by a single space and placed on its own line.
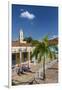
x=42 y=51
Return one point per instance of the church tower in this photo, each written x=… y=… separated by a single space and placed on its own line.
x=21 y=37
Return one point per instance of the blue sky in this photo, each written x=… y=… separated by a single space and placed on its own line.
x=35 y=21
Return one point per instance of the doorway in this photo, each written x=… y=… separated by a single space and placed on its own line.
x=13 y=59
x=24 y=56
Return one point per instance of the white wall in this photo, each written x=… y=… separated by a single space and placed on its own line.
x=17 y=49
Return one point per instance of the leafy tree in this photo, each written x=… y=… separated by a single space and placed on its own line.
x=42 y=51
x=28 y=39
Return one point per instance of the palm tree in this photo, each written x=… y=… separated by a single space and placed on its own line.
x=42 y=51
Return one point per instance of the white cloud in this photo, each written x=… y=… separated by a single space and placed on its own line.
x=54 y=36
x=27 y=15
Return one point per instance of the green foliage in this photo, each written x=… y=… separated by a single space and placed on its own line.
x=28 y=39
x=34 y=42
x=43 y=49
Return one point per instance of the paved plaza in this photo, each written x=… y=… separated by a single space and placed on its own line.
x=29 y=77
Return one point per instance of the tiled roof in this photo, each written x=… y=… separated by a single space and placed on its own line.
x=17 y=43
x=53 y=41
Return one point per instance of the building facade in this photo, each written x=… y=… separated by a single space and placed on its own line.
x=21 y=51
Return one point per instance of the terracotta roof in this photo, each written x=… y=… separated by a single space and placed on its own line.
x=53 y=41
x=17 y=43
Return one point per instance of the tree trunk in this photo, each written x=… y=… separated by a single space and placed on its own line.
x=44 y=69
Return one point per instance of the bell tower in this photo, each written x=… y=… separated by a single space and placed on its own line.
x=21 y=37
